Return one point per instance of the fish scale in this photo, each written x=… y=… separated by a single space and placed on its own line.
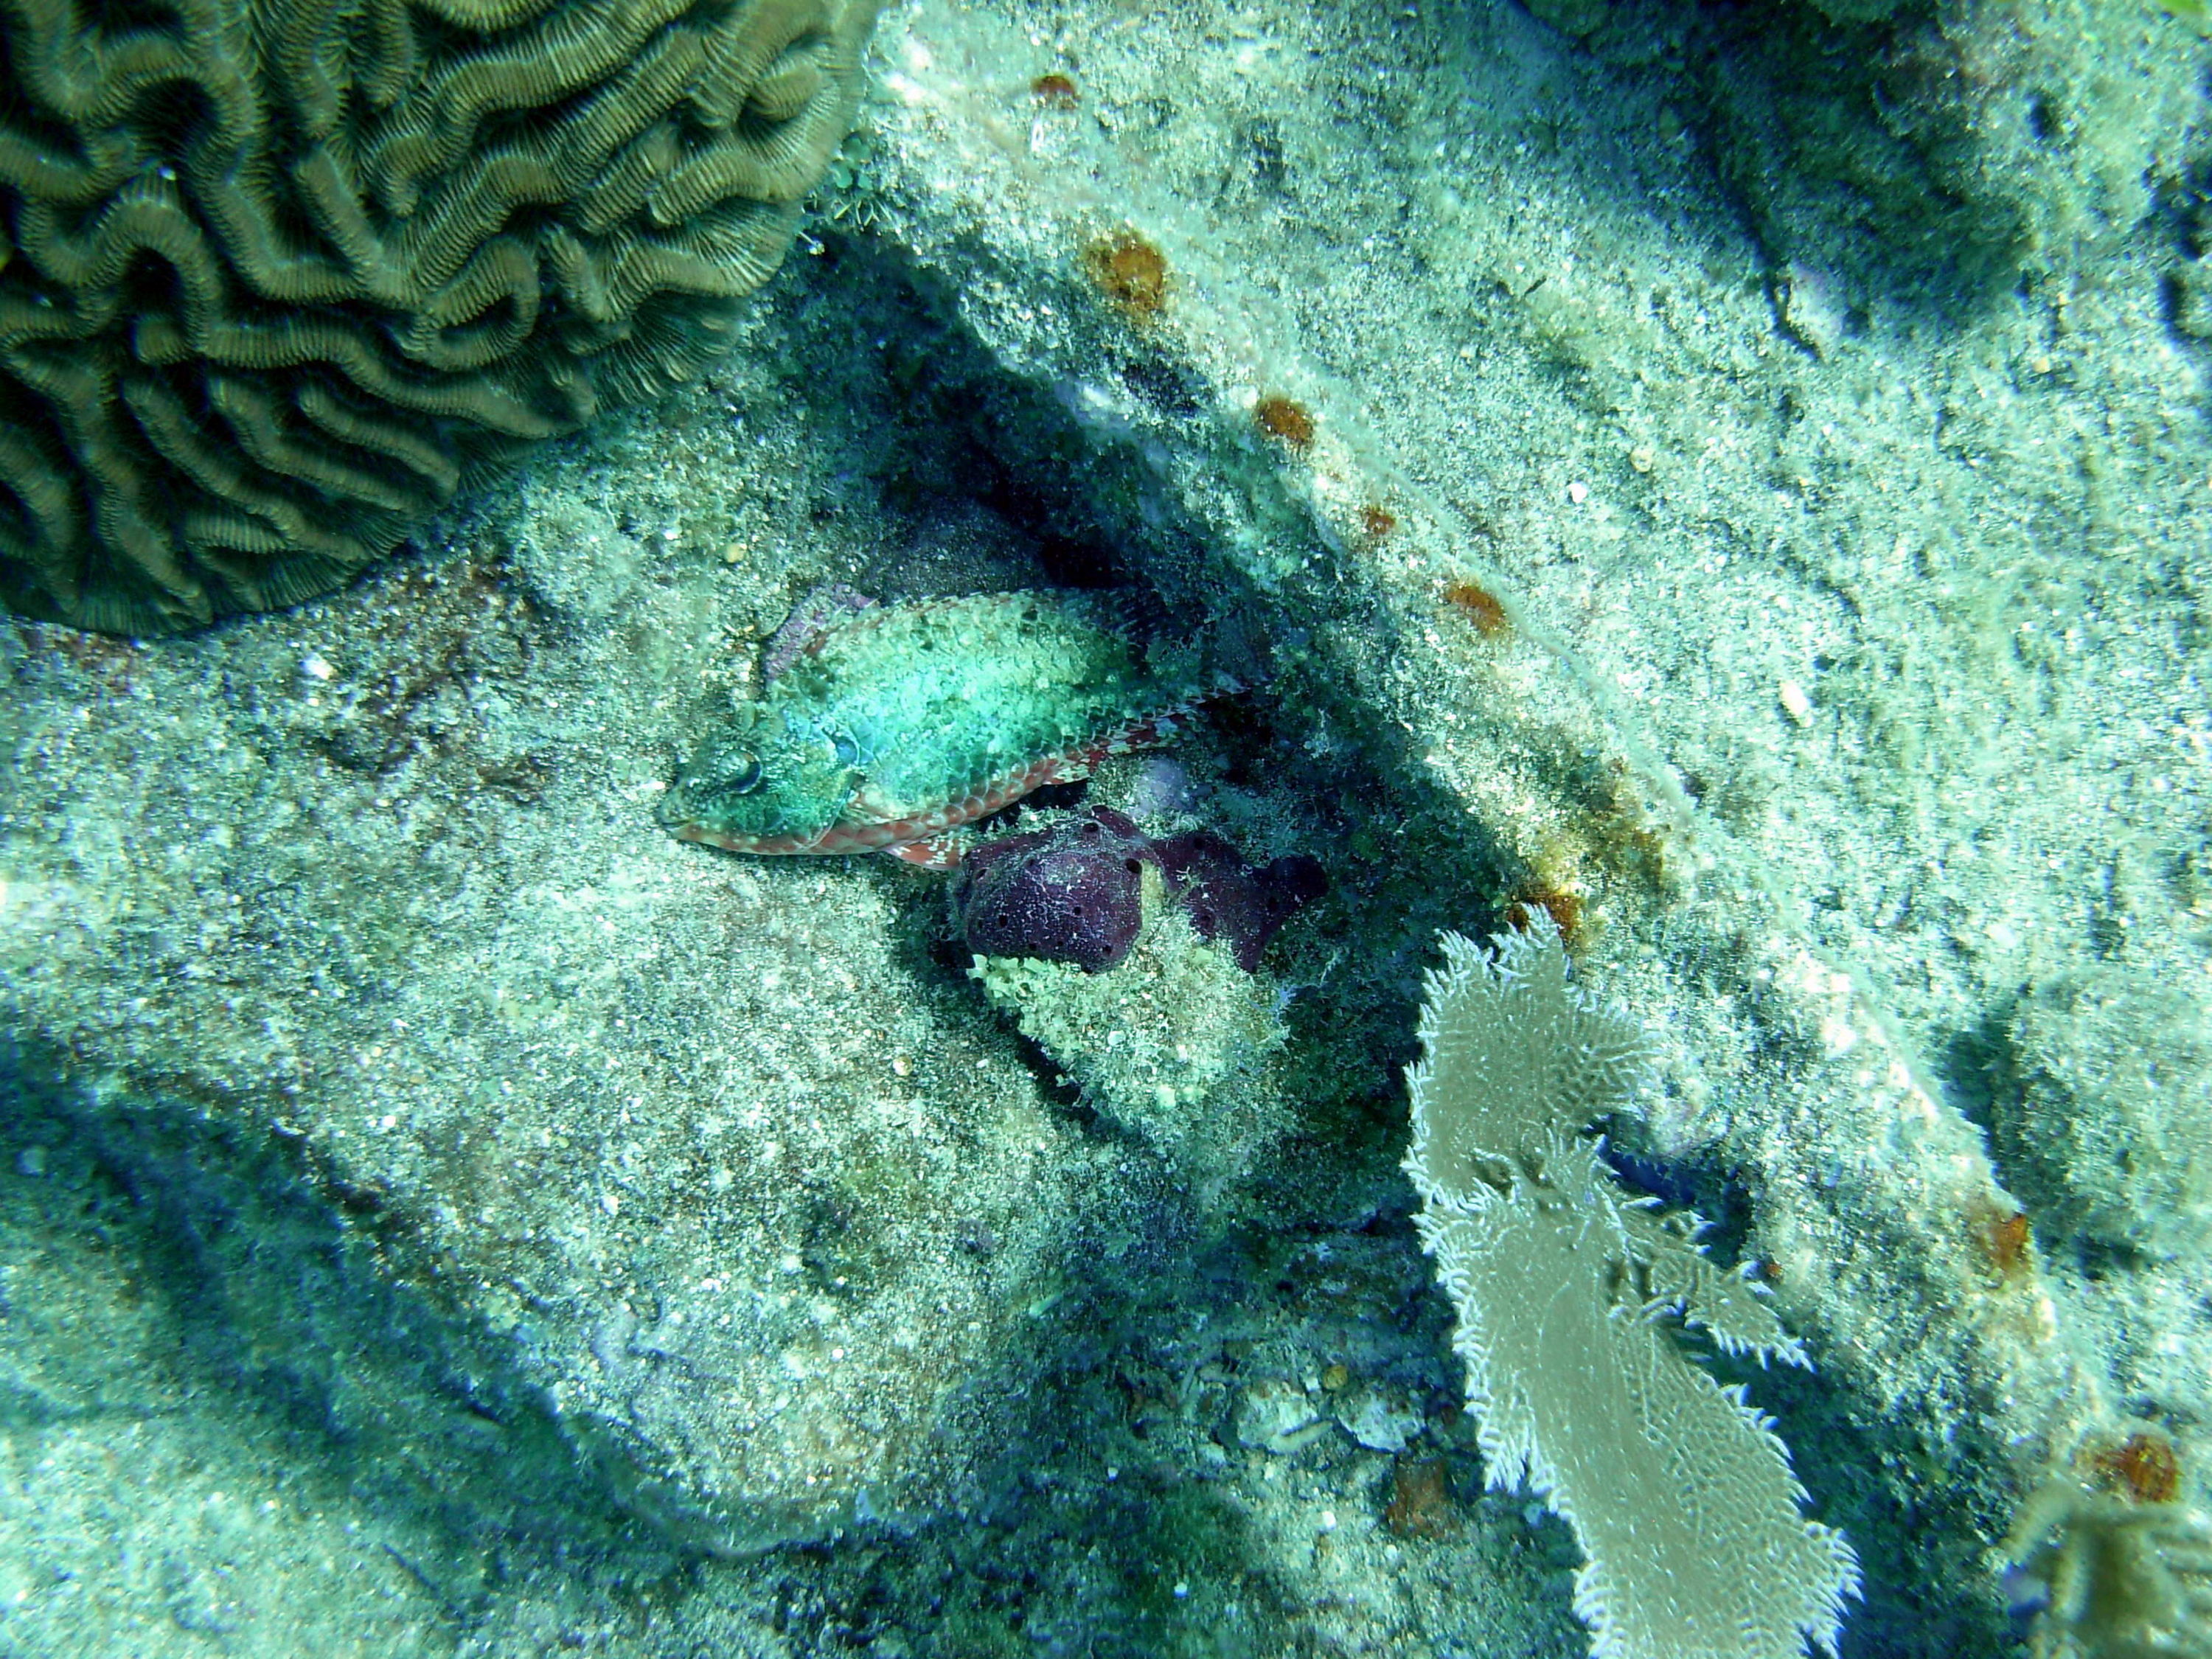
x=895 y=724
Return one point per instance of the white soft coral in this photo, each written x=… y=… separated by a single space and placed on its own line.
x=2121 y=1574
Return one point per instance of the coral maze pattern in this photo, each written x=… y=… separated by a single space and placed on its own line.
x=279 y=276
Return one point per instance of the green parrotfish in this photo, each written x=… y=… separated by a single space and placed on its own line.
x=885 y=728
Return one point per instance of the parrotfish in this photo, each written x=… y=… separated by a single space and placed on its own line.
x=887 y=727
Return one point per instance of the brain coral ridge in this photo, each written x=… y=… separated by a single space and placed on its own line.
x=278 y=277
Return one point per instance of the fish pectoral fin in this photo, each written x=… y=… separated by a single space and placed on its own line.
x=939 y=852
x=870 y=804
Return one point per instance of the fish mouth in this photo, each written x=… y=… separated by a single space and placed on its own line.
x=674 y=807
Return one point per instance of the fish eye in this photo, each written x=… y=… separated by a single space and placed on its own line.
x=844 y=747
x=743 y=775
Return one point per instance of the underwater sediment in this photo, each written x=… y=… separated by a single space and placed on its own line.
x=1807 y=629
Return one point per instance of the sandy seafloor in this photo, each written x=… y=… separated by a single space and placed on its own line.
x=439 y=1213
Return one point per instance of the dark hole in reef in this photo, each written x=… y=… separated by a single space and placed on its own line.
x=2173 y=297
x=707 y=14
x=189 y=389
x=1071 y=563
x=437 y=40
x=295 y=228
x=15 y=516
x=535 y=124
x=1053 y=795
x=113 y=16
x=1133 y=865
x=54 y=137
x=150 y=285
x=1164 y=386
x=169 y=116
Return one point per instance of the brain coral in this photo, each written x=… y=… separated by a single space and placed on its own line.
x=278 y=276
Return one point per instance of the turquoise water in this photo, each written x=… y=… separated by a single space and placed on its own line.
x=1733 y=486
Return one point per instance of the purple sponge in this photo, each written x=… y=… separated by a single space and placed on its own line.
x=1074 y=892
x=1227 y=899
